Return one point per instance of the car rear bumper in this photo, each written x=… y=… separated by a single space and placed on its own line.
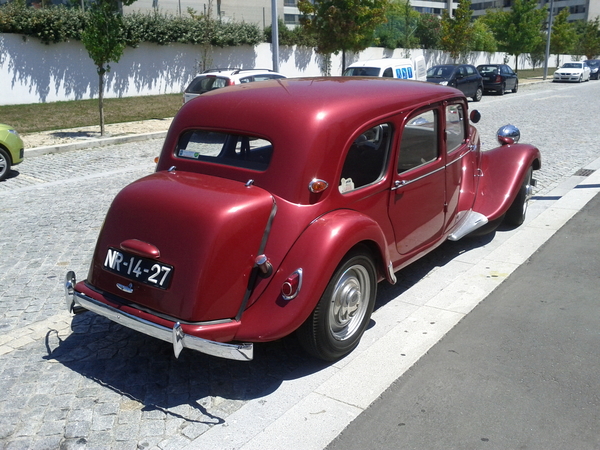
x=77 y=300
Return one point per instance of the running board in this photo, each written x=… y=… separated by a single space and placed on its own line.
x=470 y=222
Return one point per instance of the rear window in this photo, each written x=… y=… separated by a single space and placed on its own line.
x=203 y=84
x=249 y=152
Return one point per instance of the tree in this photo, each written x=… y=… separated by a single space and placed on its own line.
x=457 y=31
x=429 y=31
x=399 y=30
x=483 y=39
x=342 y=25
x=563 y=37
x=588 y=43
x=104 y=41
x=519 y=30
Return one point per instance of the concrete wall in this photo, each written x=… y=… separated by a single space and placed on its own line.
x=31 y=72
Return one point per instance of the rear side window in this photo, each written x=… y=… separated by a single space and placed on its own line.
x=249 y=152
x=367 y=158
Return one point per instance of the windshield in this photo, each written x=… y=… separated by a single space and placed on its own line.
x=249 y=152
x=362 y=72
x=572 y=66
x=593 y=63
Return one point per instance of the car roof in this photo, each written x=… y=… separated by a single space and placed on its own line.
x=304 y=118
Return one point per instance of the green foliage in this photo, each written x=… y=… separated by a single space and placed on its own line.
x=399 y=30
x=59 y=24
x=457 y=31
x=588 y=43
x=103 y=36
x=519 y=30
x=290 y=37
x=429 y=31
x=342 y=25
x=483 y=39
x=50 y=25
x=563 y=37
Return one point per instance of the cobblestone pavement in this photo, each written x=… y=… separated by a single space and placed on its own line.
x=87 y=383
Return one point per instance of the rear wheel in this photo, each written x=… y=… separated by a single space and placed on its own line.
x=340 y=318
x=515 y=215
x=502 y=89
x=516 y=88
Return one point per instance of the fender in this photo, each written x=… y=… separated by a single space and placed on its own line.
x=333 y=234
x=502 y=172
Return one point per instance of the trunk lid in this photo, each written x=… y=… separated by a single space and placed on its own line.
x=182 y=244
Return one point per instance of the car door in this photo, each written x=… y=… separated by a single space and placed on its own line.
x=417 y=198
x=461 y=163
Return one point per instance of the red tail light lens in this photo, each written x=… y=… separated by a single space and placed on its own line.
x=292 y=285
x=230 y=82
x=498 y=79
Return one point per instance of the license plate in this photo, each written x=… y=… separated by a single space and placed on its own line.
x=144 y=270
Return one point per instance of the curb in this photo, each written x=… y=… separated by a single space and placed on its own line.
x=39 y=151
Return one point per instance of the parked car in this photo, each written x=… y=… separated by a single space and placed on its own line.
x=255 y=226
x=594 y=68
x=218 y=78
x=573 y=71
x=461 y=76
x=498 y=78
x=11 y=149
x=389 y=68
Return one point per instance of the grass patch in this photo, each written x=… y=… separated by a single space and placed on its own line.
x=533 y=73
x=81 y=113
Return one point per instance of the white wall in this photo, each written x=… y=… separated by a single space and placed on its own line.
x=32 y=72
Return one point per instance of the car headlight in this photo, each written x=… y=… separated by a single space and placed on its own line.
x=13 y=132
x=443 y=83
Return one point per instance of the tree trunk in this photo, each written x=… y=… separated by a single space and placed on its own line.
x=101 y=99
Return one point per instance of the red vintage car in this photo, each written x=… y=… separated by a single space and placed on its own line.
x=277 y=207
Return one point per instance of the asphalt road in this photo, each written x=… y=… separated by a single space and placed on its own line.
x=87 y=383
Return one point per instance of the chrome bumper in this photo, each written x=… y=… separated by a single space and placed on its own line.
x=175 y=335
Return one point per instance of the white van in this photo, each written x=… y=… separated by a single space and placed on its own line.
x=389 y=67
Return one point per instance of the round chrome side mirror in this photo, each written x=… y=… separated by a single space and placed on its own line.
x=508 y=134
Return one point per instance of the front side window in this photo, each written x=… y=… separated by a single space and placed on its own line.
x=455 y=127
x=419 y=144
x=366 y=159
x=249 y=152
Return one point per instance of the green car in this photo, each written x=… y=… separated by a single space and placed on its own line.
x=11 y=149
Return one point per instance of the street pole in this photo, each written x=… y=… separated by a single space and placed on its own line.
x=275 y=35
x=548 y=39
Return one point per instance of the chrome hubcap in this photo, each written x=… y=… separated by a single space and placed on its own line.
x=349 y=302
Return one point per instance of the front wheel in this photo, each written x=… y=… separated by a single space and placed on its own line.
x=340 y=318
x=515 y=215
x=4 y=164
x=478 y=94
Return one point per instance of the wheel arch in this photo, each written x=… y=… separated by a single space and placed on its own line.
x=318 y=252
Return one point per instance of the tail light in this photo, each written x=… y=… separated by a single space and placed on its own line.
x=292 y=285
x=498 y=79
x=230 y=82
